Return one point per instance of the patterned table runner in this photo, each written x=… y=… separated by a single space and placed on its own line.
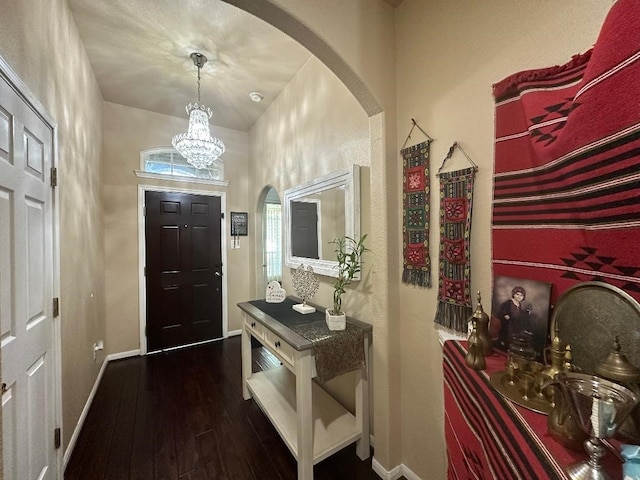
x=336 y=352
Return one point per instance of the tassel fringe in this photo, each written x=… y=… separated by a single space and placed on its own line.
x=511 y=85
x=452 y=316
x=420 y=278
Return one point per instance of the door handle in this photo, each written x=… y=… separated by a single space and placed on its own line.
x=218 y=274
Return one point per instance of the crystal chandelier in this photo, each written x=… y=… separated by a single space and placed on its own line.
x=197 y=145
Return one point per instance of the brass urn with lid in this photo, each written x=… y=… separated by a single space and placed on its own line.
x=475 y=356
x=481 y=320
x=617 y=367
x=557 y=353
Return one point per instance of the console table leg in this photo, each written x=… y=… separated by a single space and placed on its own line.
x=304 y=411
x=362 y=405
x=246 y=362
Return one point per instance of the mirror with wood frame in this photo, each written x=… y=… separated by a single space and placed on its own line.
x=317 y=212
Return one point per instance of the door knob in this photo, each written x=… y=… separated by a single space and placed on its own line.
x=218 y=274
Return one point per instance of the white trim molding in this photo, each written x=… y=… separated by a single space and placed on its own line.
x=121 y=355
x=393 y=474
x=83 y=415
x=92 y=394
x=174 y=178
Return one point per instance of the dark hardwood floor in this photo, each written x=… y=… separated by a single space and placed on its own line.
x=180 y=415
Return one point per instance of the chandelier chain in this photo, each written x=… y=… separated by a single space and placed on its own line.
x=199 y=83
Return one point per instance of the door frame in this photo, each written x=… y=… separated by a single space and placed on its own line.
x=142 y=255
x=23 y=91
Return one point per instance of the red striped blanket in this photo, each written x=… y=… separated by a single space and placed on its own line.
x=566 y=204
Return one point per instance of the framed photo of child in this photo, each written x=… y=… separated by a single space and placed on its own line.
x=520 y=307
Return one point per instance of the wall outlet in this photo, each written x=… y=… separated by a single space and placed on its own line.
x=99 y=345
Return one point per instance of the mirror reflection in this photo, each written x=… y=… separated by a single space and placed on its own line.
x=315 y=221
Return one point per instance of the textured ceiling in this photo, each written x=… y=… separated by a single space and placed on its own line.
x=139 y=51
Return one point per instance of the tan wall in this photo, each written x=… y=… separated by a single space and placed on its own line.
x=128 y=131
x=313 y=128
x=40 y=42
x=356 y=40
x=449 y=55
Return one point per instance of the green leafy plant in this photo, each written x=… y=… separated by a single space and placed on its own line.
x=349 y=254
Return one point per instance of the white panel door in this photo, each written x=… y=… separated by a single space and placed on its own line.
x=26 y=291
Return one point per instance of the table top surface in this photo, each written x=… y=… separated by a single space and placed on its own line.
x=299 y=330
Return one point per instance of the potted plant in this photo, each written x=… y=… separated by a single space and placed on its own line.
x=349 y=255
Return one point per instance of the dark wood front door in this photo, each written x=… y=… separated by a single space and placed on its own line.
x=183 y=269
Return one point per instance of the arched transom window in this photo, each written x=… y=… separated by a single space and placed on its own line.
x=167 y=162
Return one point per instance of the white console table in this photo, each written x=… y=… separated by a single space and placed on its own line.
x=312 y=424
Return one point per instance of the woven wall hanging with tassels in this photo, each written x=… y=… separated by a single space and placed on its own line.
x=415 y=203
x=454 y=283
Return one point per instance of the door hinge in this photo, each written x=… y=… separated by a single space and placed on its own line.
x=56 y=307
x=145 y=271
x=54 y=177
x=57 y=441
x=222 y=215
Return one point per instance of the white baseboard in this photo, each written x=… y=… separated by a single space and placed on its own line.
x=118 y=356
x=87 y=405
x=408 y=473
x=233 y=333
x=83 y=416
x=393 y=474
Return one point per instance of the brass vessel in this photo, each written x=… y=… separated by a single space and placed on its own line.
x=617 y=367
x=556 y=351
x=481 y=320
x=561 y=425
x=475 y=356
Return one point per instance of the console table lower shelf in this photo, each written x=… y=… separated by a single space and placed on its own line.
x=333 y=426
